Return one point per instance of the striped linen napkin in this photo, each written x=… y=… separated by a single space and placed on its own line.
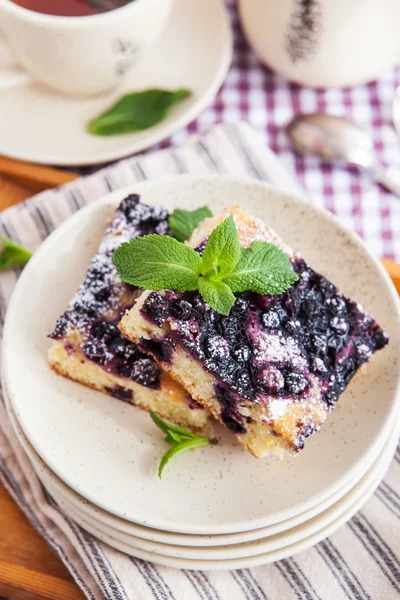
x=360 y=561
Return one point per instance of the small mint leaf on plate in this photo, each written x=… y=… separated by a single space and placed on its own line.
x=222 y=251
x=184 y=222
x=217 y=295
x=179 y=438
x=263 y=269
x=137 y=111
x=158 y=262
x=12 y=255
x=190 y=443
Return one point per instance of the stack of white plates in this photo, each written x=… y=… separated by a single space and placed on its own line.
x=216 y=507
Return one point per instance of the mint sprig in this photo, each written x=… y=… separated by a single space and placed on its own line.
x=12 y=255
x=183 y=222
x=158 y=262
x=179 y=438
x=137 y=111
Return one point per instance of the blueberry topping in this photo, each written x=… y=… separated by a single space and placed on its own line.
x=243 y=381
x=216 y=347
x=240 y=306
x=271 y=319
x=146 y=372
x=157 y=306
x=242 y=353
x=296 y=383
x=229 y=411
x=181 y=310
x=120 y=392
x=160 y=349
x=95 y=351
x=308 y=330
x=270 y=379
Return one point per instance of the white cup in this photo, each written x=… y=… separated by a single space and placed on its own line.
x=324 y=43
x=82 y=56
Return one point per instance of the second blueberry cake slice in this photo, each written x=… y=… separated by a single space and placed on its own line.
x=87 y=345
x=273 y=369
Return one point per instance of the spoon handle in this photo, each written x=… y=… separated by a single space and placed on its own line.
x=389 y=177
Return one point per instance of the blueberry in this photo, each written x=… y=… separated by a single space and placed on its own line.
x=216 y=347
x=129 y=203
x=159 y=213
x=242 y=353
x=319 y=343
x=102 y=292
x=162 y=228
x=157 y=307
x=181 y=310
x=296 y=383
x=95 y=351
x=335 y=343
x=311 y=308
x=270 y=378
x=243 y=381
x=146 y=372
x=230 y=326
x=293 y=326
x=317 y=365
x=326 y=287
x=271 y=319
x=322 y=322
x=103 y=331
x=340 y=325
x=337 y=304
x=60 y=328
x=331 y=397
x=123 y=349
x=240 y=306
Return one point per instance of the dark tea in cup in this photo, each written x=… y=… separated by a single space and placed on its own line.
x=71 y=8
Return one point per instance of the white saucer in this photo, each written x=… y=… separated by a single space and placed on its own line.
x=42 y=126
x=107 y=451
x=266 y=547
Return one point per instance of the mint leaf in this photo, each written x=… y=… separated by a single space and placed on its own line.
x=263 y=269
x=12 y=255
x=184 y=222
x=158 y=262
x=137 y=111
x=192 y=443
x=217 y=294
x=179 y=438
x=222 y=251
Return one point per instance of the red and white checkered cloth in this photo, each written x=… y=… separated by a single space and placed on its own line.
x=267 y=101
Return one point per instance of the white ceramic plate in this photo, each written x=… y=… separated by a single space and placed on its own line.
x=244 y=550
x=228 y=548
x=107 y=451
x=194 y=52
x=314 y=532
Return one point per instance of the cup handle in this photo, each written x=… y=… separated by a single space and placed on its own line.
x=11 y=74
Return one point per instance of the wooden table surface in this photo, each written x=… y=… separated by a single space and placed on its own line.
x=29 y=569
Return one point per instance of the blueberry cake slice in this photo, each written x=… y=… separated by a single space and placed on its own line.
x=87 y=345
x=273 y=369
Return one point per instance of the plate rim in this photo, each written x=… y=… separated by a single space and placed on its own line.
x=113 y=197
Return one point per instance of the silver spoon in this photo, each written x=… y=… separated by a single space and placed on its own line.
x=336 y=139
